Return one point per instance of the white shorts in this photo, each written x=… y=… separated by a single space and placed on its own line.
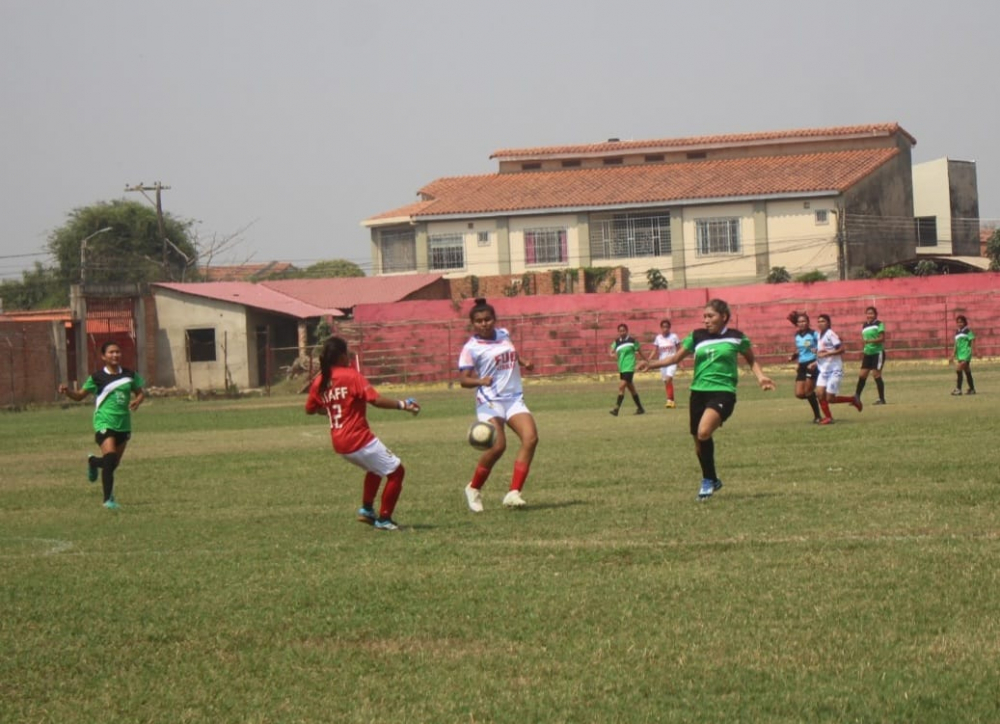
x=504 y=409
x=830 y=378
x=374 y=458
x=666 y=372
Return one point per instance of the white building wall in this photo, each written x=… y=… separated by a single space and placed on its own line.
x=932 y=197
x=177 y=313
x=802 y=236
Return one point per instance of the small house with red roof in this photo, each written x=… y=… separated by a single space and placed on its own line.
x=216 y=335
x=705 y=211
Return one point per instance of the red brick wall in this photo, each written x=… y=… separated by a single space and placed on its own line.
x=29 y=363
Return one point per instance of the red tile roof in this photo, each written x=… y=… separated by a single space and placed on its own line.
x=37 y=315
x=243 y=272
x=800 y=135
x=645 y=184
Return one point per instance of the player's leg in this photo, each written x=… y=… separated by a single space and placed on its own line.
x=523 y=425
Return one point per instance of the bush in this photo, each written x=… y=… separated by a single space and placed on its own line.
x=778 y=275
x=655 y=279
x=895 y=271
x=809 y=277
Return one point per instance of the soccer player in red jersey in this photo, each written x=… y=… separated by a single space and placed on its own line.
x=344 y=394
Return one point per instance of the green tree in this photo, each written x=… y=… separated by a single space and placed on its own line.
x=993 y=250
x=40 y=288
x=778 y=275
x=926 y=268
x=655 y=279
x=132 y=250
x=327 y=269
x=809 y=277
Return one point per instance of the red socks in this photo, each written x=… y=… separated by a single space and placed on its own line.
x=520 y=474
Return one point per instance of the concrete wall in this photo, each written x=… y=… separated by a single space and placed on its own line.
x=175 y=314
x=32 y=362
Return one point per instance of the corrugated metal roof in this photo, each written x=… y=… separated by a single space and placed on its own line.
x=346 y=292
x=305 y=298
x=258 y=296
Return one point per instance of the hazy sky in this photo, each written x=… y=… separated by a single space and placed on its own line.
x=299 y=119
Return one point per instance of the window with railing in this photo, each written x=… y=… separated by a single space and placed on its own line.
x=545 y=246
x=628 y=236
x=718 y=236
x=446 y=251
x=927 y=231
x=398 y=251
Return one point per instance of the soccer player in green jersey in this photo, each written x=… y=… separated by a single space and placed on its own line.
x=625 y=348
x=716 y=350
x=113 y=387
x=873 y=354
x=963 y=355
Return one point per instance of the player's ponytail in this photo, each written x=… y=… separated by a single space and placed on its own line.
x=333 y=350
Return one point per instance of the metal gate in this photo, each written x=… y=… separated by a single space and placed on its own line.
x=111 y=320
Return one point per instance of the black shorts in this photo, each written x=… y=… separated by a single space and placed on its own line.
x=627 y=376
x=806 y=371
x=722 y=402
x=120 y=437
x=873 y=361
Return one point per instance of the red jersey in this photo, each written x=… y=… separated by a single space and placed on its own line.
x=346 y=403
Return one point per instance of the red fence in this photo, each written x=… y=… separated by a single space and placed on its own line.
x=571 y=334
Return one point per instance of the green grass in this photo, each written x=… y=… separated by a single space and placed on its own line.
x=844 y=574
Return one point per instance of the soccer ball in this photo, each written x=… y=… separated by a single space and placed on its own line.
x=482 y=435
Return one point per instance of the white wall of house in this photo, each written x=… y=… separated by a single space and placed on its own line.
x=177 y=314
x=802 y=236
x=932 y=197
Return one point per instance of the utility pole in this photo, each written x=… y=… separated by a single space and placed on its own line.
x=156 y=188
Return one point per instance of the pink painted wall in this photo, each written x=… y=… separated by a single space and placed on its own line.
x=570 y=334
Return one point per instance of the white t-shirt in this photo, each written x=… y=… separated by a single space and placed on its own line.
x=494 y=358
x=829 y=341
x=666 y=346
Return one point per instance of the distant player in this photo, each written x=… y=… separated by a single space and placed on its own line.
x=625 y=348
x=344 y=394
x=830 y=363
x=963 y=355
x=113 y=387
x=806 y=341
x=873 y=359
x=666 y=343
x=490 y=364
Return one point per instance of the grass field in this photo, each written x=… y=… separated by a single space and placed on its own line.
x=843 y=574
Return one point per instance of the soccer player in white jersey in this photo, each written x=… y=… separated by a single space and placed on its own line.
x=666 y=344
x=490 y=364
x=830 y=364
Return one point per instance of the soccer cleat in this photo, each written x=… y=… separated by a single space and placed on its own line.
x=856 y=404
x=640 y=411
x=386 y=524
x=513 y=499
x=614 y=411
x=716 y=484
x=91 y=468
x=707 y=488
x=971 y=391
x=366 y=515
x=956 y=392
x=110 y=504
x=474 y=498
x=879 y=402
x=670 y=404
x=817 y=421
x=826 y=421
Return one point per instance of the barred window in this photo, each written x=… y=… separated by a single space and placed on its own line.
x=627 y=236
x=399 y=251
x=545 y=246
x=446 y=251
x=719 y=236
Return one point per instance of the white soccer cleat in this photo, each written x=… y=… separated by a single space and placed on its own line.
x=474 y=498
x=513 y=499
